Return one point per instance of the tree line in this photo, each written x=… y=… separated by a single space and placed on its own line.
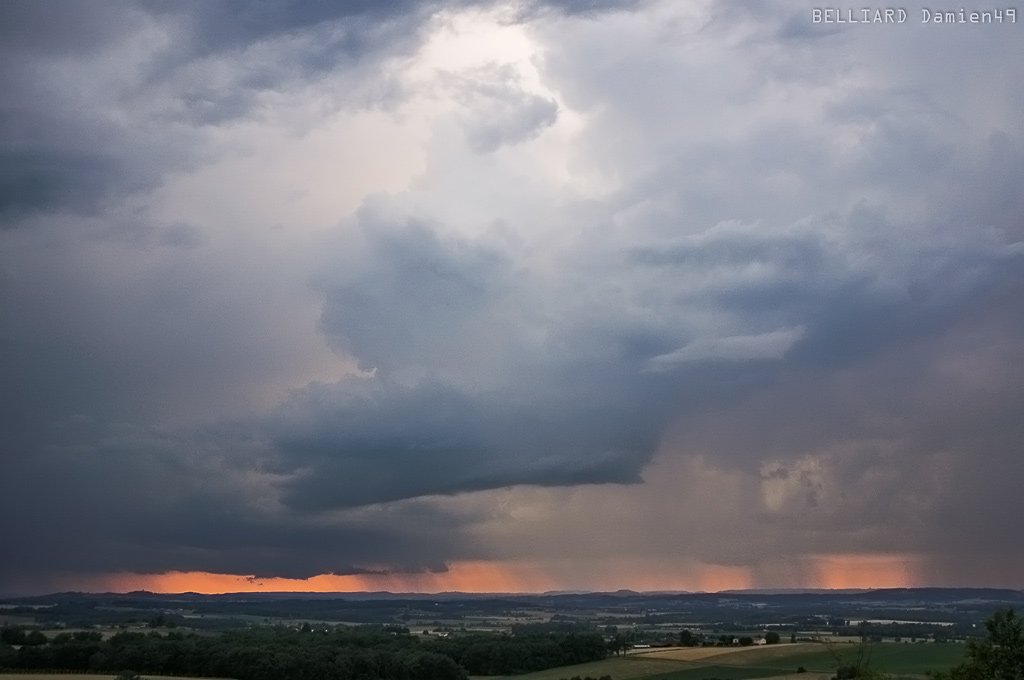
x=359 y=653
x=483 y=654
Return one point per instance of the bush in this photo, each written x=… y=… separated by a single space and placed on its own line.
x=1000 y=656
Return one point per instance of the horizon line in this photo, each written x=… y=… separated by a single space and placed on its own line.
x=546 y=593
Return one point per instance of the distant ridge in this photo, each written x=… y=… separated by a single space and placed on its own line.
x=877 y=594
x=795 y=591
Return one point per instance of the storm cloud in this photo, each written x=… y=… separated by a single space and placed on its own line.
x=296 y=288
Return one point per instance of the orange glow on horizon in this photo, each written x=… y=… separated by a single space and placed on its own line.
x=467 y=577
x=865 y=571
x=828 y=571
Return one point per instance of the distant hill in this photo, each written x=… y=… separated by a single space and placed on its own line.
x=891 y=595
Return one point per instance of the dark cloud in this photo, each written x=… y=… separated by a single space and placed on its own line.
x=134 y=500
x=430 y=318
x=436 y=440
x=82 y=126
x=427 y=314
x=782 y=258
x=229 y=24
x=30 y=181
x=53 y=153
x=407 y=301
x=63 y=26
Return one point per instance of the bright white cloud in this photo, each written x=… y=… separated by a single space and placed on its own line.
x=772 y=345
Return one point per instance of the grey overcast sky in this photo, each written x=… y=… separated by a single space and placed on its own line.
x=299 y=294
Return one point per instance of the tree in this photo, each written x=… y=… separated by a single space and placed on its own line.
x=619 y=644
x=1000 y=656
x=12 y=635
x=35 y=638
x=771 y=637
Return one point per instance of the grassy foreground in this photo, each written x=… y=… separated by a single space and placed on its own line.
x=87 y=676
x=776 y=661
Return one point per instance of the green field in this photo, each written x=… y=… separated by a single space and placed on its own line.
x=628 y=668
x=782 y=660
x=895 y=658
